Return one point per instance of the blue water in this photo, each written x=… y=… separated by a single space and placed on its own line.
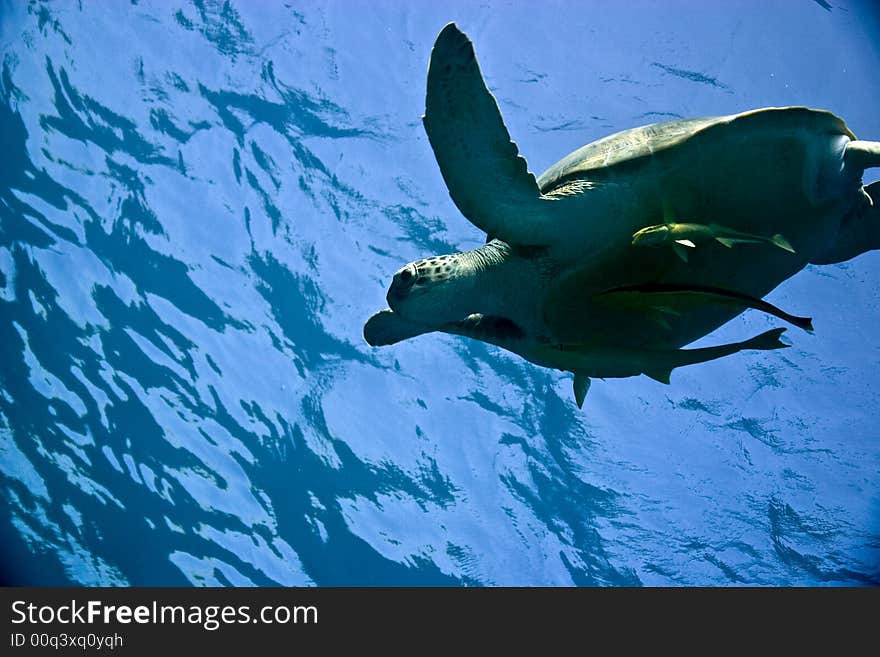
x=200 y=205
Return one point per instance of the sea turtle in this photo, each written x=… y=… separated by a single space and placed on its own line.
x=560 y=280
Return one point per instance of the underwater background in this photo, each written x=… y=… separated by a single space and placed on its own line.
x=202 y=202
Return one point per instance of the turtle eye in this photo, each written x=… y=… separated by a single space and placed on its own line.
x=404 y=279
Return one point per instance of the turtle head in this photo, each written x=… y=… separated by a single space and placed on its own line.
x=428 y=289
x=446 y=288
x=651 y=236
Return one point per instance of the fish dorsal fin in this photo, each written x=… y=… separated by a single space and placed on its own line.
x=581 y=387
x=487 y=178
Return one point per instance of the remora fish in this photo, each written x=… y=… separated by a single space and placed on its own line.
x=684 y=236
x=672 y=299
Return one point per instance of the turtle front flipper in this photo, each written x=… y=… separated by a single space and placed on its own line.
x=495 y=330
x=387 y=327
x=487 y=178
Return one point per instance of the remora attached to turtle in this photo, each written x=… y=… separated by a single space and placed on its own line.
x=682 y=236
x=560 y=282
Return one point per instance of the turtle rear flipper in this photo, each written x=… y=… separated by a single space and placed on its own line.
x=861 y=155
x=767 y=341
x=859 y=230
x=581 y=387
x=664 y=362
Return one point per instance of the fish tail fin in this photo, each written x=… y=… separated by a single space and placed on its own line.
x=766 y=341
x=782 y=243
x=805 y=323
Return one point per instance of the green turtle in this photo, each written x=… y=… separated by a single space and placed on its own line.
x=559 y=280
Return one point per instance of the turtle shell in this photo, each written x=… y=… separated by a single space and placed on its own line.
x=755 y=172
x=626 y=151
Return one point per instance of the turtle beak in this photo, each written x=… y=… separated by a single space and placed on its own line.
x=401 y=284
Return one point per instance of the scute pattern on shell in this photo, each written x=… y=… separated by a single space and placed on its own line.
x=630 y=147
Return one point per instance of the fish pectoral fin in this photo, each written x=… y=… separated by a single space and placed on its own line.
x=581 y=387
x=782 y=243
x=680 y=251
x=661 y=314
x=686 y=243
x=660 y=373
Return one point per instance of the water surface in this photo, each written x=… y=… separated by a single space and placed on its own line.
x=200 y=205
